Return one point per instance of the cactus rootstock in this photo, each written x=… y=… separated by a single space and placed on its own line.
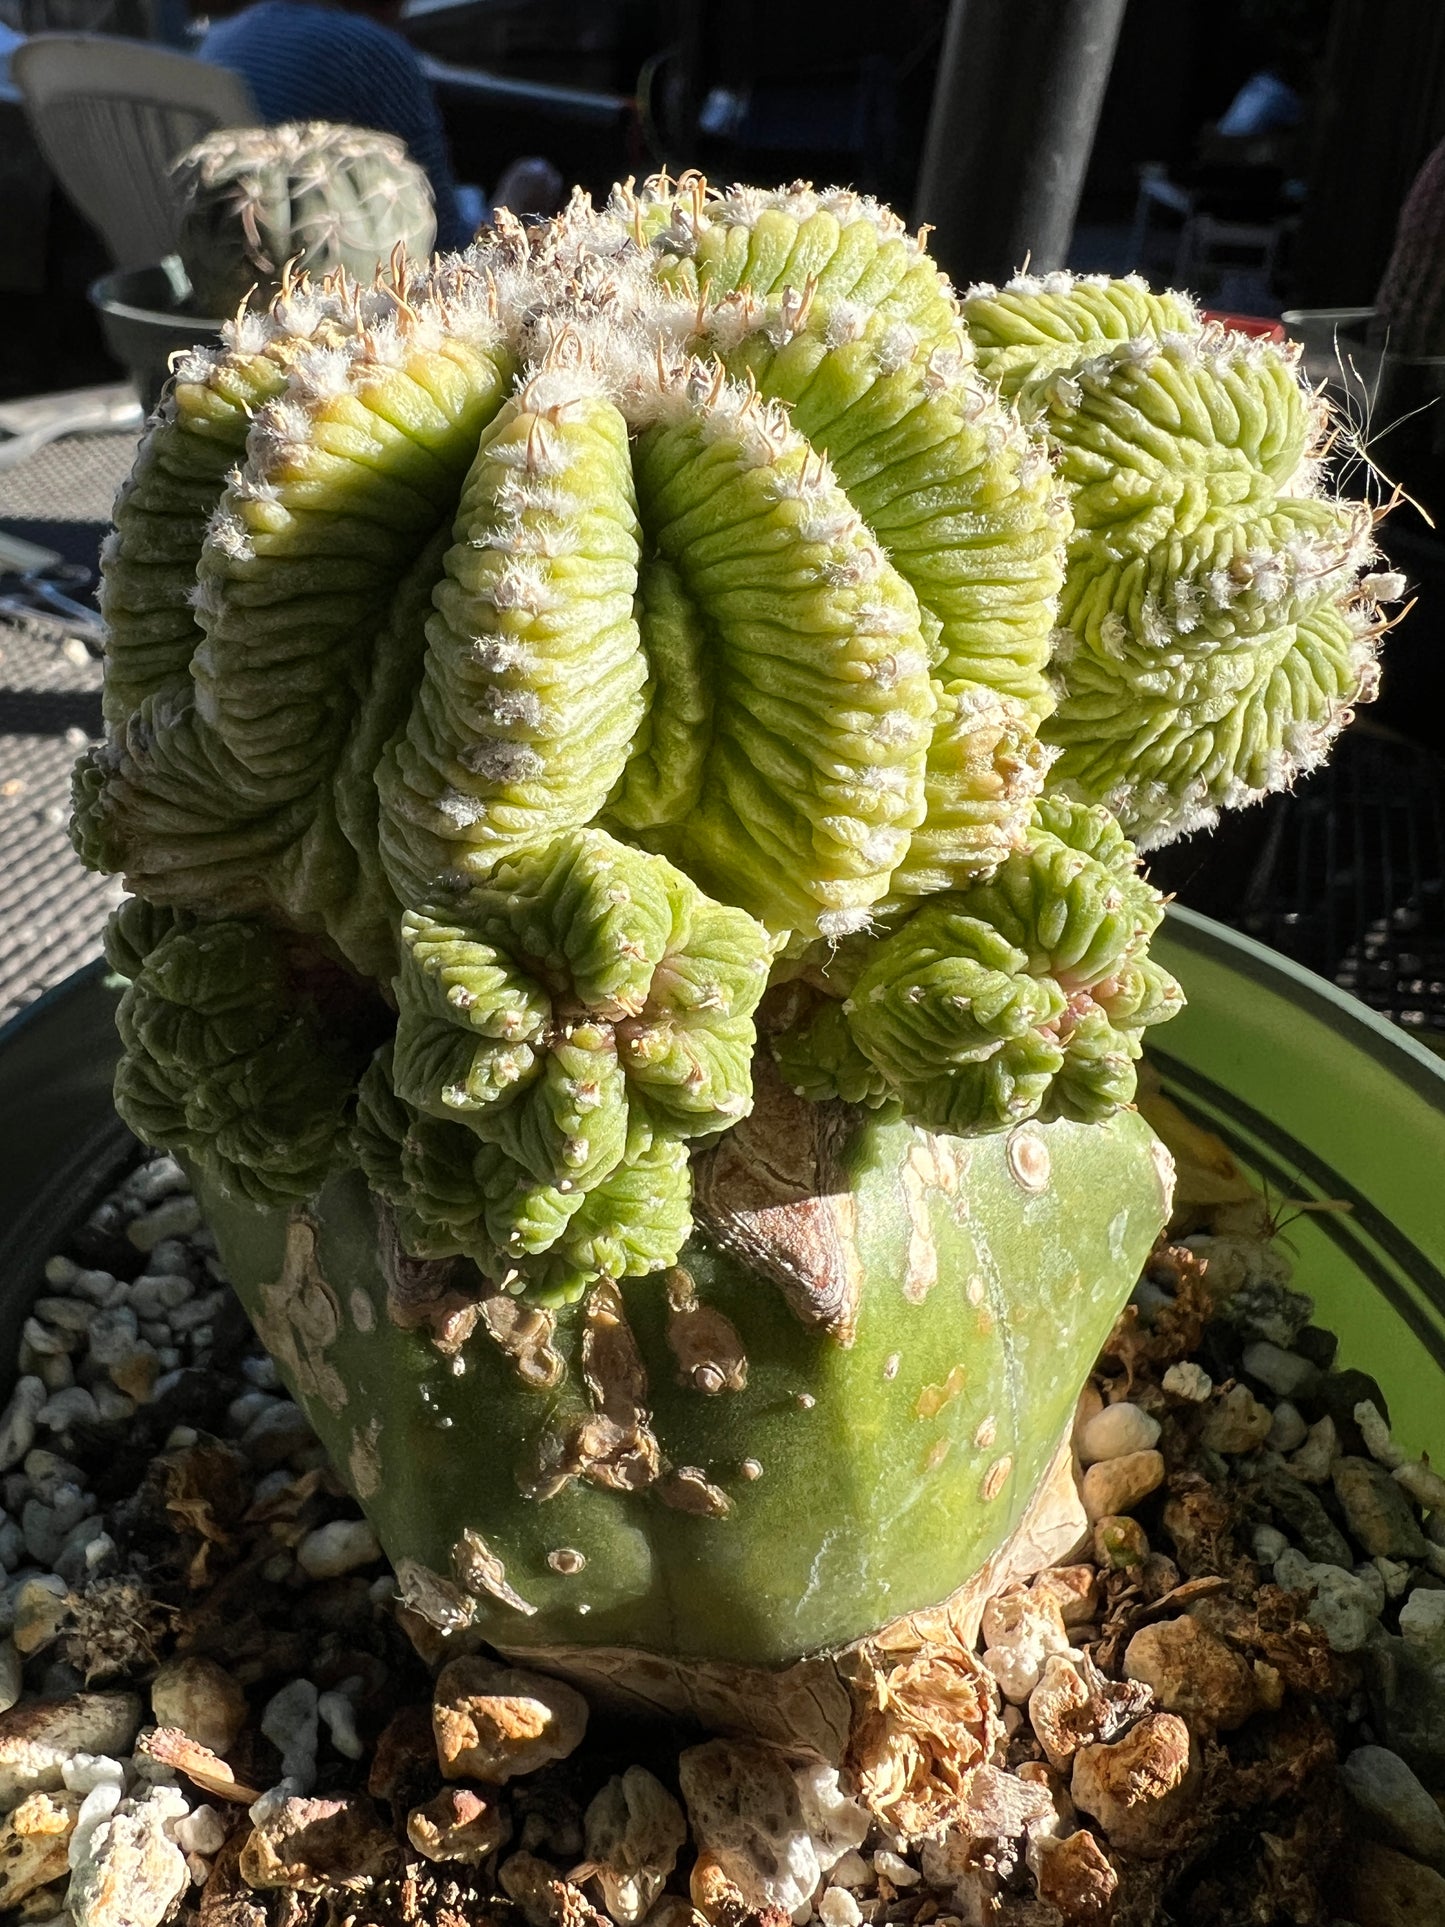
x=309 y=196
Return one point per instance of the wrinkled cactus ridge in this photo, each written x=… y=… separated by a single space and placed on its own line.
x=1215 y=630
x=309 y=196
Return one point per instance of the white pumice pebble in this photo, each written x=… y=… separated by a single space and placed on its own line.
x=1116 y=1431
x=170 y=1256
x=201 y=1831
x=11 y=1675
x=338 y=1547
x=1020 y=1631
x=17 y=1427
x=1376 y=1433
x=1345 y=1606
x=1423 y=1483
x=836 y=1823
x=97 y=1286
x=61 y=1272
x=291 y=1723
x=73 y=1406
x=99 y=1551
x=1188 y=1380
x=197 y=1311
x=838 y=1908
x=895 y=1869
x=154 y=1296
x=55 y=1372
x=82 y=1771
x=65 y=1314
x=243 y=1412
x=852 y=1870
x=172 y=1218
x=1422 y=1617
x=45 y=1340
x=1288 y=1430
x=100 y=1801
x=113 y=1335
x=1268 y=1544
x=338 y=1715
x=159 y=1178
x=747 y=1816
x=1395 y=1574
x=1284 y=1372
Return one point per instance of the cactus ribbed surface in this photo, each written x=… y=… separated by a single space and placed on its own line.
x=313 y=195
x=1215 y=630
x=619 y=742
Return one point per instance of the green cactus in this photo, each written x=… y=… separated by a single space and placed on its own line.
x=614 y=934
x=310 y=195
x=1216 y=632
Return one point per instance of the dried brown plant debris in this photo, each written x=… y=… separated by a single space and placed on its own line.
x=919 y=1729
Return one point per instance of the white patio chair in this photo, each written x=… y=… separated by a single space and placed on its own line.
x=110 y=116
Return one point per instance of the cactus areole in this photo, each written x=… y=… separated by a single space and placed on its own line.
x=623 y=745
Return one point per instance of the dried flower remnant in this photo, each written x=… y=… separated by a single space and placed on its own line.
x=921 y=1725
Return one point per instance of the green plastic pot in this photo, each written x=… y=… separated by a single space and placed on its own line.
x=1318 y=1097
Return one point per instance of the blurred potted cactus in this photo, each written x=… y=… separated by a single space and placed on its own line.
x=255 y=203
x=624 y=746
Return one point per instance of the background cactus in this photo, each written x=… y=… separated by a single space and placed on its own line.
x=314 y=194
x=538 y=677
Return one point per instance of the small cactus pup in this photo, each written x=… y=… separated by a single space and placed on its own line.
x=655 y=1045
x=310 y=195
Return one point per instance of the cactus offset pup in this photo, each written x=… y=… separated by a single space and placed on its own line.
x=624 y=745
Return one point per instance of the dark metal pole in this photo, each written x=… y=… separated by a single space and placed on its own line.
x=1019 y=89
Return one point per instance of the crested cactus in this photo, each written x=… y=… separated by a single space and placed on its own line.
x=629 y=928
x=1215 y=629
x=310 y=195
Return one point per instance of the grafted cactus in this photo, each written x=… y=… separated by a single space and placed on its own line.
x=313 y=195
x=625 y=930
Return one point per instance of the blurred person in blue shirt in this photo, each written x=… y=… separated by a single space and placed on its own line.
x=306 y=60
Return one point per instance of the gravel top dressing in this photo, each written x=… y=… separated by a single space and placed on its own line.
x=1231 y=1708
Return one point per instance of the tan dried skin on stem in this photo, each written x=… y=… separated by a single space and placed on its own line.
x=774 y=1193
x=299 y=1318
x=705 y=1343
